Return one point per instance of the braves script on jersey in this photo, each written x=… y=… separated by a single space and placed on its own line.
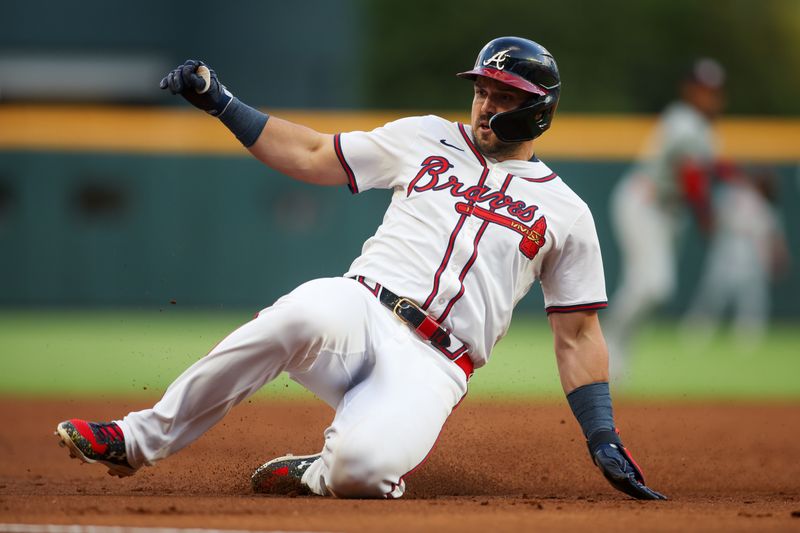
x=466 y=237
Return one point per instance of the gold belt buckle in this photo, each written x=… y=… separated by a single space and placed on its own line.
x=400 y=303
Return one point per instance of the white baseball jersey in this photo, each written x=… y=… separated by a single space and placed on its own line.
x=683 y=133
x=465 y=236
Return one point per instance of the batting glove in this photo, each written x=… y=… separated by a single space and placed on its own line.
x=618 y=467
x=186 y=81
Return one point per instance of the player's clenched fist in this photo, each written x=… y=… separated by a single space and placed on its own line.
x=199 y=85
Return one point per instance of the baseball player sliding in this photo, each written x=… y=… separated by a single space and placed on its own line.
x=475 y=218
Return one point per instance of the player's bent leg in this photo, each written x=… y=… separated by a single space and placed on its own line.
x=387 y=425
x=286 y=336
x=361 y=471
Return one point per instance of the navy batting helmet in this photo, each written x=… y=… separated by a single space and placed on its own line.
x=525 y=65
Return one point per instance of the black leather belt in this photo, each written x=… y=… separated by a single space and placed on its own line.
x=409 y=312
x=423 y=324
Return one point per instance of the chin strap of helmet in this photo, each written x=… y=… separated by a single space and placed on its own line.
x=522 y=124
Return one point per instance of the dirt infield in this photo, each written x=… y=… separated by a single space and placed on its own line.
x=496 y=467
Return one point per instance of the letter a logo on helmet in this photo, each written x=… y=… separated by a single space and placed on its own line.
x=528 y=66
x=499 y=59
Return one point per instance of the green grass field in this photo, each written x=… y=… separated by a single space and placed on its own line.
x=125 y=353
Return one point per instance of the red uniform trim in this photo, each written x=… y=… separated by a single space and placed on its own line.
x=472 y=146
x=448 y=252
x=445 y=260
x=451 y=355
x=464 y=271
x=573 y=308
x=374 y=290
x=549 y=177
x=472 y=258
x=460 y=357
x=351 y=177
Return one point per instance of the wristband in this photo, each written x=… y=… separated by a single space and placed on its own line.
x=591 y=405
x=244 y=121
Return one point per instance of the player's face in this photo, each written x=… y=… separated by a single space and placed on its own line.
x=493 y=97
x=707 y=100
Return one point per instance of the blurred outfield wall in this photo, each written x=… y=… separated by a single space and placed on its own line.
x=138 y=205
x=127 y=206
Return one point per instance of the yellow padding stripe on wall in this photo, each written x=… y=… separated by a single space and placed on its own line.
x=156 y=130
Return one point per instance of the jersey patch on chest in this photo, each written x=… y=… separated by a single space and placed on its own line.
x=532 y=237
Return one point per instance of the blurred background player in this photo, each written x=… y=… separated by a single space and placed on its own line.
x=747 y=250
x=649 y=205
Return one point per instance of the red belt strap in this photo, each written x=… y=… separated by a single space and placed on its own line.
x=466 y=364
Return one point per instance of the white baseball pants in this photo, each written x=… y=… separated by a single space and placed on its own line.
x=392 y=391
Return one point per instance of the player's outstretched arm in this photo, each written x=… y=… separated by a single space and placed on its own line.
x=299 y=152
x=582 y=359
x=289 y=148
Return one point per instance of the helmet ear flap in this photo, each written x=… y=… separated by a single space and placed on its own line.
x=524 y=123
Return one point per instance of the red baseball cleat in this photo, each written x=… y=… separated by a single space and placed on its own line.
x=96 y=442
x=283 y=475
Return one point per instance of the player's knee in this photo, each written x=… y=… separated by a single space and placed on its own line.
x=360 y=472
